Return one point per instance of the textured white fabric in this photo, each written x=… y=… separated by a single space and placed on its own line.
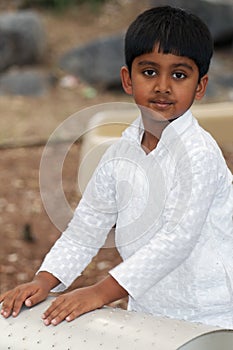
x=173 y=213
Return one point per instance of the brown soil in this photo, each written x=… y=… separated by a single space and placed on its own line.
x=26 y=231
x=31 y=121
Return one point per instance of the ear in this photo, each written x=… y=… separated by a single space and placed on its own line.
x=201 y=87
x=126 y=80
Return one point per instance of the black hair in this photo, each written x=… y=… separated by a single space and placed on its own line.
x=175 y=31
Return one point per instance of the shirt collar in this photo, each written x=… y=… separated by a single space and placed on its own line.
x=177 y=127
x=136 y=130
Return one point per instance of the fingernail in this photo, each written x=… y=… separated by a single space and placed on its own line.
x=14 y=314
x=28 y=303
x=46 y=322
x=54 y=321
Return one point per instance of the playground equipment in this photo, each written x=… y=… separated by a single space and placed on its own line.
x=109 y=329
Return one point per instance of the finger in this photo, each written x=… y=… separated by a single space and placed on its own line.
x=51 y=308
x=79 y=310
x=8 y=304
x=74 y=314
x=19 y=300
x=53 y=311
x=2 y=296
x=17 y=306
x=36 y=297
x=59 y=317
x=60 y=313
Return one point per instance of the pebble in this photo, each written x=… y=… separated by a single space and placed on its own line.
x=22 y=276
x=12 y=257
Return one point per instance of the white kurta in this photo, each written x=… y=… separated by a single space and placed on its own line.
x=173 y=213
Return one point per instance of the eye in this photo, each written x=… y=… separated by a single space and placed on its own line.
x=179 y=75
x=149 y=72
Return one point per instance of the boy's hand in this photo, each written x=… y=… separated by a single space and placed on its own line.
x=28 y=293
x=71 y=305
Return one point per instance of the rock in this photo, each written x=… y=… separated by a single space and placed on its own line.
x=226 y=81
x=217 y=15
x=27 y=234
x=11 y=4
x=98 y=62
x=25 y=82
x=22 y=39
x=12 y=257
x=220 y=85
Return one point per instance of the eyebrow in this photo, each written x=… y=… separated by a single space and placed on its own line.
x=175 y=65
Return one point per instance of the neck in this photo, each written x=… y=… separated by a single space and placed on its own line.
x=153 y=131
x=149 y=142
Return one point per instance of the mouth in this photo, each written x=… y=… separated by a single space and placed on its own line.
x=161 y=104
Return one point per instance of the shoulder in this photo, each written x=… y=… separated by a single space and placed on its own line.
x=196 y=139
x=130 y=138
x=202 y=152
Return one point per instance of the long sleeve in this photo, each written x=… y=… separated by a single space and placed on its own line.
x=185 y=212
x=86 y=233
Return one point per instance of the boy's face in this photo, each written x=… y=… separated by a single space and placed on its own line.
x=165 y=83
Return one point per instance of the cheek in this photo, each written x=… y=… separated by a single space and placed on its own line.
x=186 y=94
x=140 y=92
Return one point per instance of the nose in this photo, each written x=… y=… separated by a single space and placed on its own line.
x=162 y=85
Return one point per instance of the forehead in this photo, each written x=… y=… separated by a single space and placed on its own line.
x=161 y=59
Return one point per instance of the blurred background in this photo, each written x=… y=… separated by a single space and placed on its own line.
x=56 y=58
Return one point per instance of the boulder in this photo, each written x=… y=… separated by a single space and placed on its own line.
x=25 y=82
x=217 y=15
x=22 y=39
x=98 y=62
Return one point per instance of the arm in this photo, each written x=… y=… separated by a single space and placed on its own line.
x=87 y=231
x=185 y=211
x=73 y=251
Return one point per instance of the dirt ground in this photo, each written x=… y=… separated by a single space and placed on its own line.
x=26 y=231
x=26 y=123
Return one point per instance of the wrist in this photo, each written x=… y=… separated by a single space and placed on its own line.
x=46 y=280
x=109 y=290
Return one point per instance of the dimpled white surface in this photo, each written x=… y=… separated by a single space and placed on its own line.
x=108 y=329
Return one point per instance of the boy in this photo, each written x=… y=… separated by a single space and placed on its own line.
x=165 y=186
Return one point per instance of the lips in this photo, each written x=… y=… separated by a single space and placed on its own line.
x=161 y=104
